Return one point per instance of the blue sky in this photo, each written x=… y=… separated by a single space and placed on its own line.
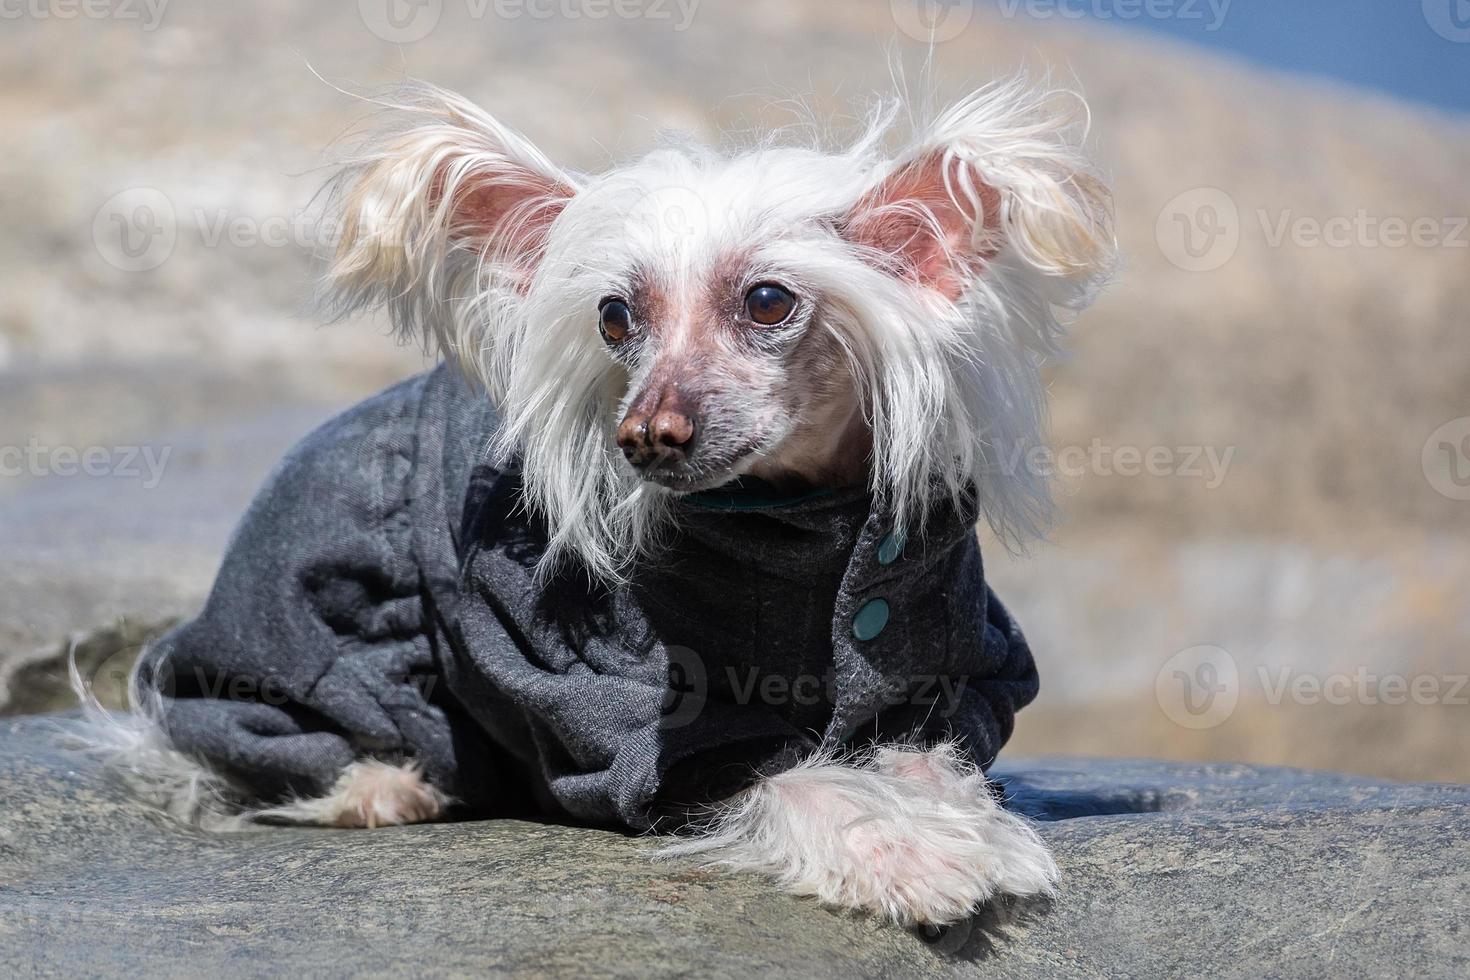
x=1418 y=50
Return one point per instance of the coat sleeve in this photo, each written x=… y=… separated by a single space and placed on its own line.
x=982 y=705
x=985 y=676
x=313 y=647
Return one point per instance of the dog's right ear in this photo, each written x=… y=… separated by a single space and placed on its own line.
x=442 y=209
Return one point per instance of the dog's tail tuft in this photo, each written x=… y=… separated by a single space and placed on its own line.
x=135 y=749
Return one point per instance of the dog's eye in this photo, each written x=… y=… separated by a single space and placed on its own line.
x=615 y=320
x=768 y=304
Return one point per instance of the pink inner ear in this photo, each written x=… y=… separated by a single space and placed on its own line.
x=912 y=218
x=516 y=208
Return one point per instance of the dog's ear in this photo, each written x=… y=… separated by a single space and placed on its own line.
x=998 y=171
x=440 y=206
x=919 y=224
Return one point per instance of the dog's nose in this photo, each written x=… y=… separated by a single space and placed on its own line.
x=665 y=436
x=671 y=429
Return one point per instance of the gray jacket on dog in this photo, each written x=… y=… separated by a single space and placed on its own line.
x=378 y=599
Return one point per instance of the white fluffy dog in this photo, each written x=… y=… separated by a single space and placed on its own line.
x=875 y=316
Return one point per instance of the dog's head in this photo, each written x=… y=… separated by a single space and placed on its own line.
x=810 y=318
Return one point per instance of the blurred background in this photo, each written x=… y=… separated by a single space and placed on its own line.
x=1262 y=433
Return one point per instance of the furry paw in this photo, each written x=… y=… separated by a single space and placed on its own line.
x=913 y=836
x=944 y=768
x=369 y=793
x=375 y=794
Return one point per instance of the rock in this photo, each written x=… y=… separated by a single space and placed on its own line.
x=1167 y=870
x=39 y=681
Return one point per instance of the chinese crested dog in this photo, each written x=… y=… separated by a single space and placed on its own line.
x=740 y=411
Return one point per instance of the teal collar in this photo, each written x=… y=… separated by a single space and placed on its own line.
x=749 y=493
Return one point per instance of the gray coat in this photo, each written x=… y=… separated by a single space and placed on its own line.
x=378 y=599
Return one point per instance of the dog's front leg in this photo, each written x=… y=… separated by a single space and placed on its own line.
x=912 y=835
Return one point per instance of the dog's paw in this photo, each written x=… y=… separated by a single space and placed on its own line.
x=369 y=793
x=376 y=794
x=943 y=768
x=919 y=840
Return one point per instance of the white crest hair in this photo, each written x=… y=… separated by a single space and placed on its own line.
x=951 y=386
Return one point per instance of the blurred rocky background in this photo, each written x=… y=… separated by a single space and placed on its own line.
x=1263 y=431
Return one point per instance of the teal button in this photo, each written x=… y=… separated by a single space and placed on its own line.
x=890 y=548
x=870 y=619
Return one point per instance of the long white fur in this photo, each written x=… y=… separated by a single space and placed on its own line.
x=952 y=388
x=912 y=835
x=135 y=748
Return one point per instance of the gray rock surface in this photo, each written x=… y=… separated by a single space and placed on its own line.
x=1168 y=870
x=39 y=681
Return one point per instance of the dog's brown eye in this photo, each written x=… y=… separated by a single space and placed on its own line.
x=615 y=320
x=768 y=305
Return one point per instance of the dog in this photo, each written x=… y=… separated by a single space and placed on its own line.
x=728 y=417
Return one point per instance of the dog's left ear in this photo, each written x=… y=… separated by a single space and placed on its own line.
x=1000 y=170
